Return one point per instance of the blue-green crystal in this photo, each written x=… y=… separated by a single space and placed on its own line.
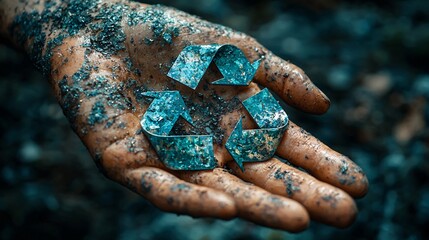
x=257 y=145
x=176 y=152
x=266 y=110
x=194 y=60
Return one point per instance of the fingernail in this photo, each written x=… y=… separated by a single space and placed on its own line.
x=324 y=96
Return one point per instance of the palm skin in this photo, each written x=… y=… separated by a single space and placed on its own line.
x=99 y=89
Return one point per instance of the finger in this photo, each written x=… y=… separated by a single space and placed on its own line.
x=174 y=195
x=159 y=187
x=254 y=203
x=304 y=150
x=292 y=85
x=324 y=202
x=288 y=81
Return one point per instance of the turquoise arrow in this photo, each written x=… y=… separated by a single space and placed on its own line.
x=164 y=111
x=194 y=60
x=234 y=66
x=254 y=145
x=191 y=152
x=257 y=145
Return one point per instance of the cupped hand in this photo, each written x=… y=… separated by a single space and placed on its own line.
x=100 y=74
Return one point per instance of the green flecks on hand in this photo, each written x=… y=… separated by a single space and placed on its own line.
x=69 y=100
x=109 y=36
x=162 y=25
x=98 y=114
x=290 y=185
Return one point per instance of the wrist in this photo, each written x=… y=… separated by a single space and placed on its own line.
x=25 y=25
x=39 y=26
x=18 y=17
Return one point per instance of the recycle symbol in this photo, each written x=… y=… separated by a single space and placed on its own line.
x=195 y=152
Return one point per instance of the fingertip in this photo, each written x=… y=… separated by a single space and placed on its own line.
x=346 y=217
x=343 y=210
x=351 y=178
x=361 y=188
x=291 y=84
x=306 y=95
x=325 y=102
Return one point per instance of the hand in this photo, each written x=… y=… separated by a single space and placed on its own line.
x=101 y=57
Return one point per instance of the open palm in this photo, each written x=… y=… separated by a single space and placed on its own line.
x=100 y=76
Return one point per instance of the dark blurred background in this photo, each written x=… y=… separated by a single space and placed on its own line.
x=370 y=58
